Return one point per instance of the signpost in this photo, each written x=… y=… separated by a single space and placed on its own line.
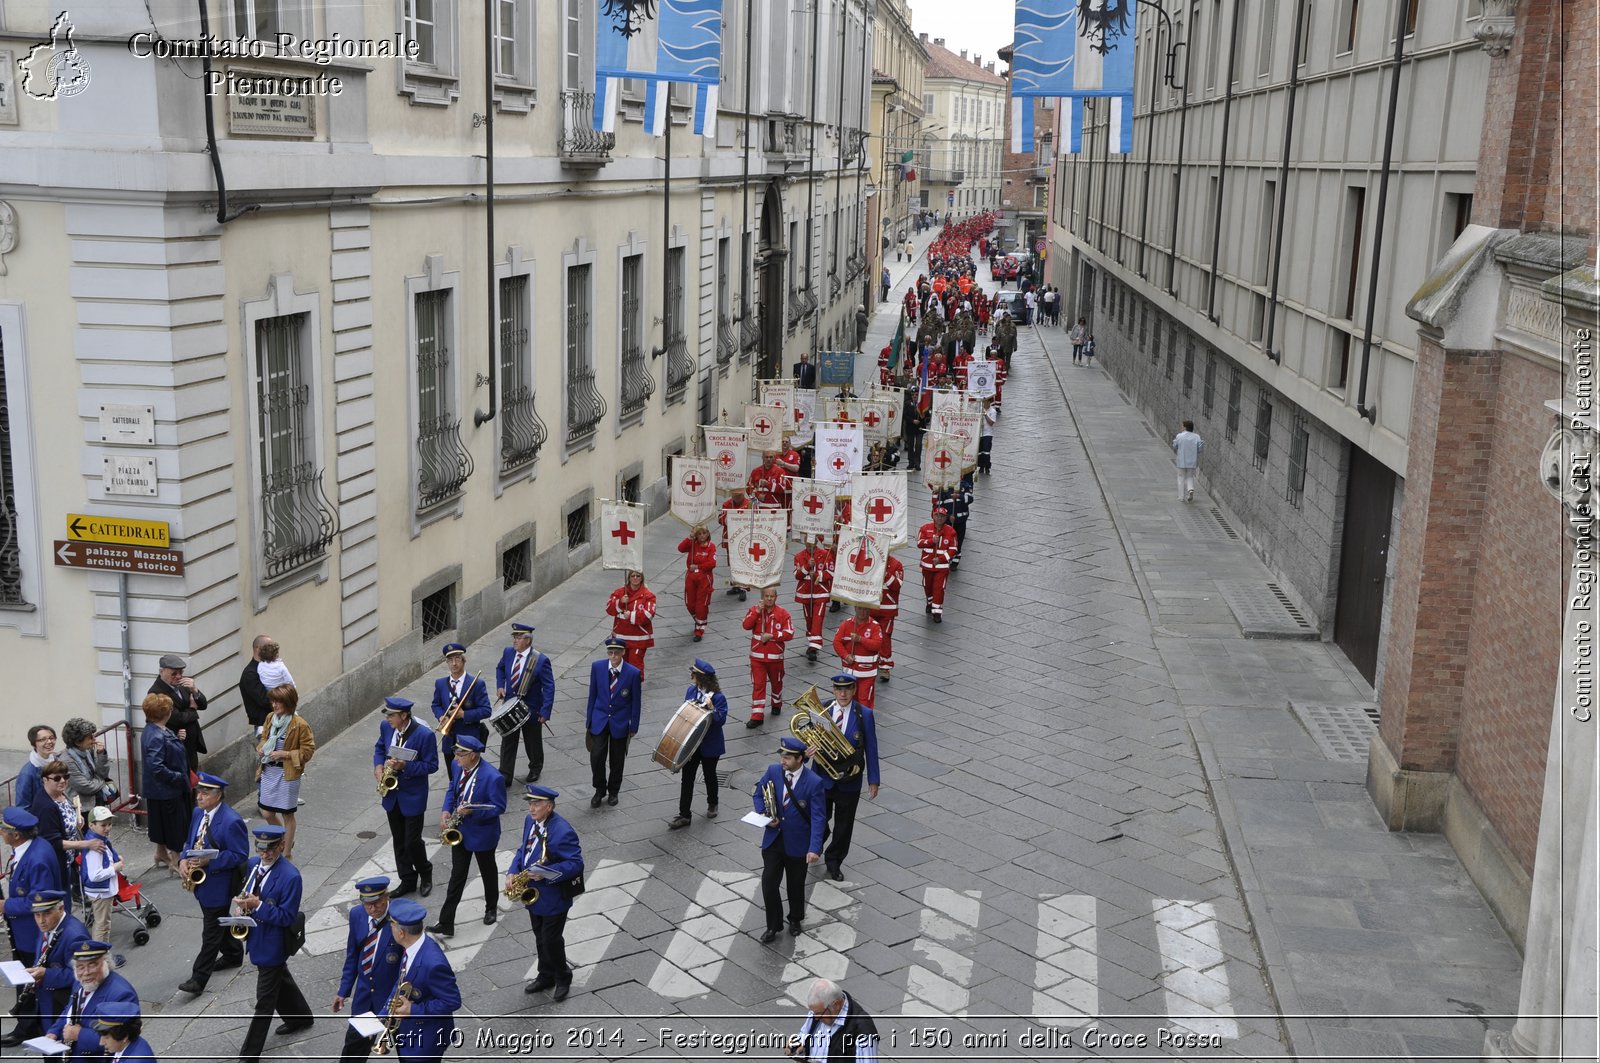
x=119 y=557
x=89 y=528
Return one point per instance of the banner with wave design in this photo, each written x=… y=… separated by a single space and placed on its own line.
x=1073 y=49
x=682 y=44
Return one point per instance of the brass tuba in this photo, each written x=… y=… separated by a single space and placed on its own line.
x=384 y=1043
x=813 y=725
x=521 y=889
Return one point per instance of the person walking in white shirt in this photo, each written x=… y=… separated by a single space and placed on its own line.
x=1186 y=446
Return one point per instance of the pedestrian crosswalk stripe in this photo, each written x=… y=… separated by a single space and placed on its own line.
x=821 y=952
x=1067 y=973
x=694 y=957
x=1194 y=968
x=948 y=924
x=611 y=890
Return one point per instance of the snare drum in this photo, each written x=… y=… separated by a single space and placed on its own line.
x=509 y=717
x=684 y=733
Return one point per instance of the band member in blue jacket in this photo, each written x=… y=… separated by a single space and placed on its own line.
x=478 y=792
x=60 y=934
x=426 y=996
x=271 y=896
x=120 y=1028
x=461 y=688
x=214 y=825
x=550 y=842
x=34 y=867
x=854 y=721
x=793 y=838
x=613 y=718
x=705 y=689
x=406 y=803
x=96 y=986
x=525 y=673
x=371 y=963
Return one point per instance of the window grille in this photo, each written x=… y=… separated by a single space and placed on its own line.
x=1172 y=353
x=1188 y=367
x=578 y=527
x=1235 y=393
x=1208 y=391
x=680 y=363
x=1299 y=451
x=516 y=564
x=10 y=548
x=438 y=613
x=297 y=519
x=443 y=463
x=522 y=432
x=1258 y=456
x=585 y=406
x=637 y=382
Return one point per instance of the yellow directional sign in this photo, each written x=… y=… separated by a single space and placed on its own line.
x=89 y=528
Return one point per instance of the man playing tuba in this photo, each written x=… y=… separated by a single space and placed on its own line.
x=854 y=721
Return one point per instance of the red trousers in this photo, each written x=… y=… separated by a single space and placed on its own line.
x=761 y=673
x=697 y=597
x=886 y=651
x=933 y=581
x=866 y=690
x=814 y=609
x=634 y=655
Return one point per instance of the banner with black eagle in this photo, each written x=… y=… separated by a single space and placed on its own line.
x=1073 y=50
x=682 y=43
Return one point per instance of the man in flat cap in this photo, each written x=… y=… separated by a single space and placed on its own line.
x=187 y=705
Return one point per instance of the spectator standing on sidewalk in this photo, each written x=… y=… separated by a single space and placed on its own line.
x=1030 y=302
x=1079 y=334
x=885 y=283
x=1186 y=446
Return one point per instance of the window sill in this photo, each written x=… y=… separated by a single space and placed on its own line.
x=313 y=571
x=513 y=97
x=428 y=86
x=454 y=506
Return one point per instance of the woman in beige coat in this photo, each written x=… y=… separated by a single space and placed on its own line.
x=285 y=745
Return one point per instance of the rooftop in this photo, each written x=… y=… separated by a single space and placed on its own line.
x=943 y=63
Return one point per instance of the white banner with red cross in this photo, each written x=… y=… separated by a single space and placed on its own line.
x=948 y=404
x=812 y=513
x=981 y=378
x=805 y=410
x=893 y=400
x=874 y=420
x=694 y=490
x=839 y=451
x=621 y=535
x=725 y=447
x=764 y=427
x=780 y=393
x=756 y=545
x=859 y=567
x=966 y=428
x=878 y=504
x=941 y=462
x=844 y=411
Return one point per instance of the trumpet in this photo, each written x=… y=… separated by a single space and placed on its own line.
x=239 y=931
x=193 y=878
x=390 y=780
x=521 y=889
x=769 y=798
x=384 y=1043
x=813 y=726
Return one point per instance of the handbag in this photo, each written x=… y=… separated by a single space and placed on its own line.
x=294 y=937
x=573 y=887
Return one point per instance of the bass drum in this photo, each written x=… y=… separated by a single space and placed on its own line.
x=684 y=733
x=509 y=718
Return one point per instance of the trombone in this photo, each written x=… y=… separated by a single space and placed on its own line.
x=451 y=717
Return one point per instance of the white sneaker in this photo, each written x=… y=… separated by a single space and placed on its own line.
x=1190 y=497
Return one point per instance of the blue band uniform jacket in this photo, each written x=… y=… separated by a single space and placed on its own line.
x=480 y=829
x=115 y=989
x=228 y=835
x=565 y=856
x=805 y=818
x=412 y=793
x=279 y=889
x=373 y=990
x=475 y=712
x=541 y=686
x=614 y=710
x=715 y=742
x=37 y=869
x=426 y=1033
x=862 y=733
x=58 y=970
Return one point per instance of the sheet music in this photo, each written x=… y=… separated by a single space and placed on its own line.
x=236 y=920
x=755 y=819
x=15 y=973
x=46 y=1047
x=402 y=753
x=200 y=854
x=366 y=1024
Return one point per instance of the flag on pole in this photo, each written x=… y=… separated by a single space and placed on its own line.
x=859 y=567
x=898 y=344
x=725 y=447
x=812 y=509
x=756 y=545
x=879 y=503
x=1067 y=48
x=621 y=535
x=764 y=426
x=694 y=491
x=683 y=43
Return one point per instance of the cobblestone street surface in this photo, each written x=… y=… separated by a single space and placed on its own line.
x=1103 y=830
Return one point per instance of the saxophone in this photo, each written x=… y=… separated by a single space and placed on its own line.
x=521 y=890
x=192 y=878
x=384 y=1043
x=390 y=780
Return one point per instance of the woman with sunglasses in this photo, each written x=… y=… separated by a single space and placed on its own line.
x=59 y=821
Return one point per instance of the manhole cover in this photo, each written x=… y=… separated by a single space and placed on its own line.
x=1342 y=732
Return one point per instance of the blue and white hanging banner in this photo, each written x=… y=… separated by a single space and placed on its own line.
x=1076 y=121
x=1071 y=48
x=681 y=44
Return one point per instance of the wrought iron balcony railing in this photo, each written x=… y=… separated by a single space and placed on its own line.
x=834 y=286
x=809 y=303
x=638 y=384
x=585 y=406
x=522 y=433
x=298 y=522
x=796 y=309
x=727 y=342
x=580 y=143
x=443 y=463
x=680 y=366
x=750 y=329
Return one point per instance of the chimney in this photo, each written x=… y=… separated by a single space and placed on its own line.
x=989 y=66
x=977 y=60
x=939 y=41
x=963 y=55
x=923 y=37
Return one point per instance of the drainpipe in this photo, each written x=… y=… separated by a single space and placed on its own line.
x=1371 y=412
x=744 y=183
x=1177 y=175
x=1222 y=166
x=1283 y=182
x=482 y=417
x=224 y=215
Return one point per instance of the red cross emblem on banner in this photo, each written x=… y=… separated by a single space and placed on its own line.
x=943 y=459
x=880 y=510
x=838 y=463
x=812 y=505
x=623 y=532
x=763 y=426
x=693 y=483
x=725 y=459
x=872 y=418
x=861 y=560
x=757 y=552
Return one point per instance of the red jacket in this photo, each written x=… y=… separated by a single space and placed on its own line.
x=766 y=485
x=722 y=518
x=768 y=633
x=894 y=574
x=938 y=546
x=857 y=646
x=702 y=556
x=813 y=574
x=634 y=623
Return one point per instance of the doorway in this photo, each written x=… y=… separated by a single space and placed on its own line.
x=1363 y=561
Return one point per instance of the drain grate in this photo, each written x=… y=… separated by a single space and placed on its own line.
x=1342 y=732
x=1264 y=611
x=1202 y=524
x=1222 y=522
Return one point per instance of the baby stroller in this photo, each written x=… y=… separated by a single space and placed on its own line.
x=131 y=903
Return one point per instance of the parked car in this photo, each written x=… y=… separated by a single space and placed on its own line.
x=1013 y=303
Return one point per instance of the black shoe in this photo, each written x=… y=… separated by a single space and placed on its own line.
x=938 y=618
x=404 y=889
x=442 y=931
x=532 y=776
x=754 y=721
x=539 y=984
x=426 y=888
x=766 y=939
x=611 y=801
x=926 y=609
x=711 y=812
x=883 y=677
x=678 y=823
x=286 y=1028
x=697 y=636
x=14 y=1038
x=561 y=992
x=228 y=965
x=741 y=594
x=491 y=917
x=794 y=929
x=811 y=654
x=732 y=591
x=594 y=802
x=192 y=987
x=834 y=607
x=835 y=874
